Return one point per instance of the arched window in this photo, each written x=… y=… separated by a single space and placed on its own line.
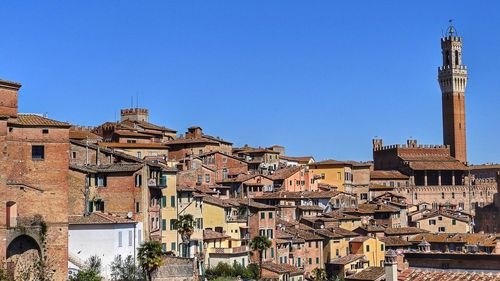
x=456 y=58
x=11 y=214
x=447 y=57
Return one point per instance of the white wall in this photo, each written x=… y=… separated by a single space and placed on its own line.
x=102 y=240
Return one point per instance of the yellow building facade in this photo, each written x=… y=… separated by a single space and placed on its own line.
x=334 y=173
x=169 y=213
x=372 y=248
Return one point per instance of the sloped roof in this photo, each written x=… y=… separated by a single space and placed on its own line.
x=98 y=218
x=281 y=268
x=285 y=173
x=394 y=241
x=437 y=275
x=347 y=259
x=33 y=120
x=371 y=273
x=107 y=168
x=403 y=230
x=385 y=175
x=213 y=235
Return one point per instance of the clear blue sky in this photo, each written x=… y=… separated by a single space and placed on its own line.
x=319 y=77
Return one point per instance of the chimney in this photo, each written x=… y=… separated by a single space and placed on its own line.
x=391 y=266
x=134 y=114
x=8 y=98
x=194 y=132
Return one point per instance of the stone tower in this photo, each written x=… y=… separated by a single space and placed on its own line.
x=452 y=76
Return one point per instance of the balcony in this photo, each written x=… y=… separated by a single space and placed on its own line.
x=160 y=182
x=234 y=250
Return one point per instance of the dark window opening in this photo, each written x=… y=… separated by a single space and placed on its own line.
x=38 y=152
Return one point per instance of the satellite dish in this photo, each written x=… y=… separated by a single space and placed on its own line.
x=129 y=215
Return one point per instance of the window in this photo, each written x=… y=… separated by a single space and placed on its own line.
x=73 y=155
x=442 y=195
x=270 y=233
x=453 y=195
x=337 y=252
x=367 y=248
x=120 y=239
x=224 y=159
x=440 y=218
x=163 y=201
x=37 y=152
x=441 y=229
x=200 y=178
x=139 y=236
x=291 y=182
x=364 y=196
x=130 y=238
x=432 y=222
x=317 y=260
x=100 y=180
x=137 y=207
x=262 y=232
x=99 y=205
x=207 y=178
x=139 y=155
x=224 y=173
x=172 y=201
x=45 y=131
x=199 y=223
x=272 y=252
x=454 y=222
x=310 y=261
x=172 y=246
x=299 y=262
x=382 y=247
x=262 y=215
x=138 y=180
x=164 y=224
x=172 y=224
x=270 y=215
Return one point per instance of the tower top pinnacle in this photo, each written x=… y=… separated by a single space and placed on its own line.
x=451 y=31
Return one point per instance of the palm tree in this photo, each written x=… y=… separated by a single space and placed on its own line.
x=185 y=227
x=149 y=256
x=260 y=244
x=318 y=274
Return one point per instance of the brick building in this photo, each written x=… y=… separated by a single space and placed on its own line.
x=34 y=184
x=195 y=142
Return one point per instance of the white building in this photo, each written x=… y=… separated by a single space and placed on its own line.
x=103 y=235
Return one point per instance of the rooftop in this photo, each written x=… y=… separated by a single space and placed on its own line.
x=35 y=120
x=98 y=218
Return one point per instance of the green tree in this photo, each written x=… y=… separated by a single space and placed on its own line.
x=149 y=256
x=126 y=269
x=318 y=274
x=91 y=271
x=185 y=227
x=260 y=244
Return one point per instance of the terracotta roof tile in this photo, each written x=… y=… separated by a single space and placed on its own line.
x=98 y=218
x=368 y=274
x=37 y=121
x=377 y=175
x=281 y=268
x=213 y=235
x=428 y=275
x=347 y=259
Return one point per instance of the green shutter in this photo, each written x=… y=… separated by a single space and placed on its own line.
x=163 y=201
x=91 y=206
x=164 y=224
x=172 y=201
x=272 y=252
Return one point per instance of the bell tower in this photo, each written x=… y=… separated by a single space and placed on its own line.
x=452 y=76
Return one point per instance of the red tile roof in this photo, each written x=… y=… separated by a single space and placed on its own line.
x=213 y=235
x=281 y=268
x=98 y=218
x=34 y=120
x=371 y=273
x=347 y=259
x=428 y=275
x=397 y=175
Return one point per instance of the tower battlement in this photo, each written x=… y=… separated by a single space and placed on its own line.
x=134 y=114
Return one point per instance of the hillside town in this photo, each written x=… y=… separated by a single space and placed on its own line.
x=414 y=211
